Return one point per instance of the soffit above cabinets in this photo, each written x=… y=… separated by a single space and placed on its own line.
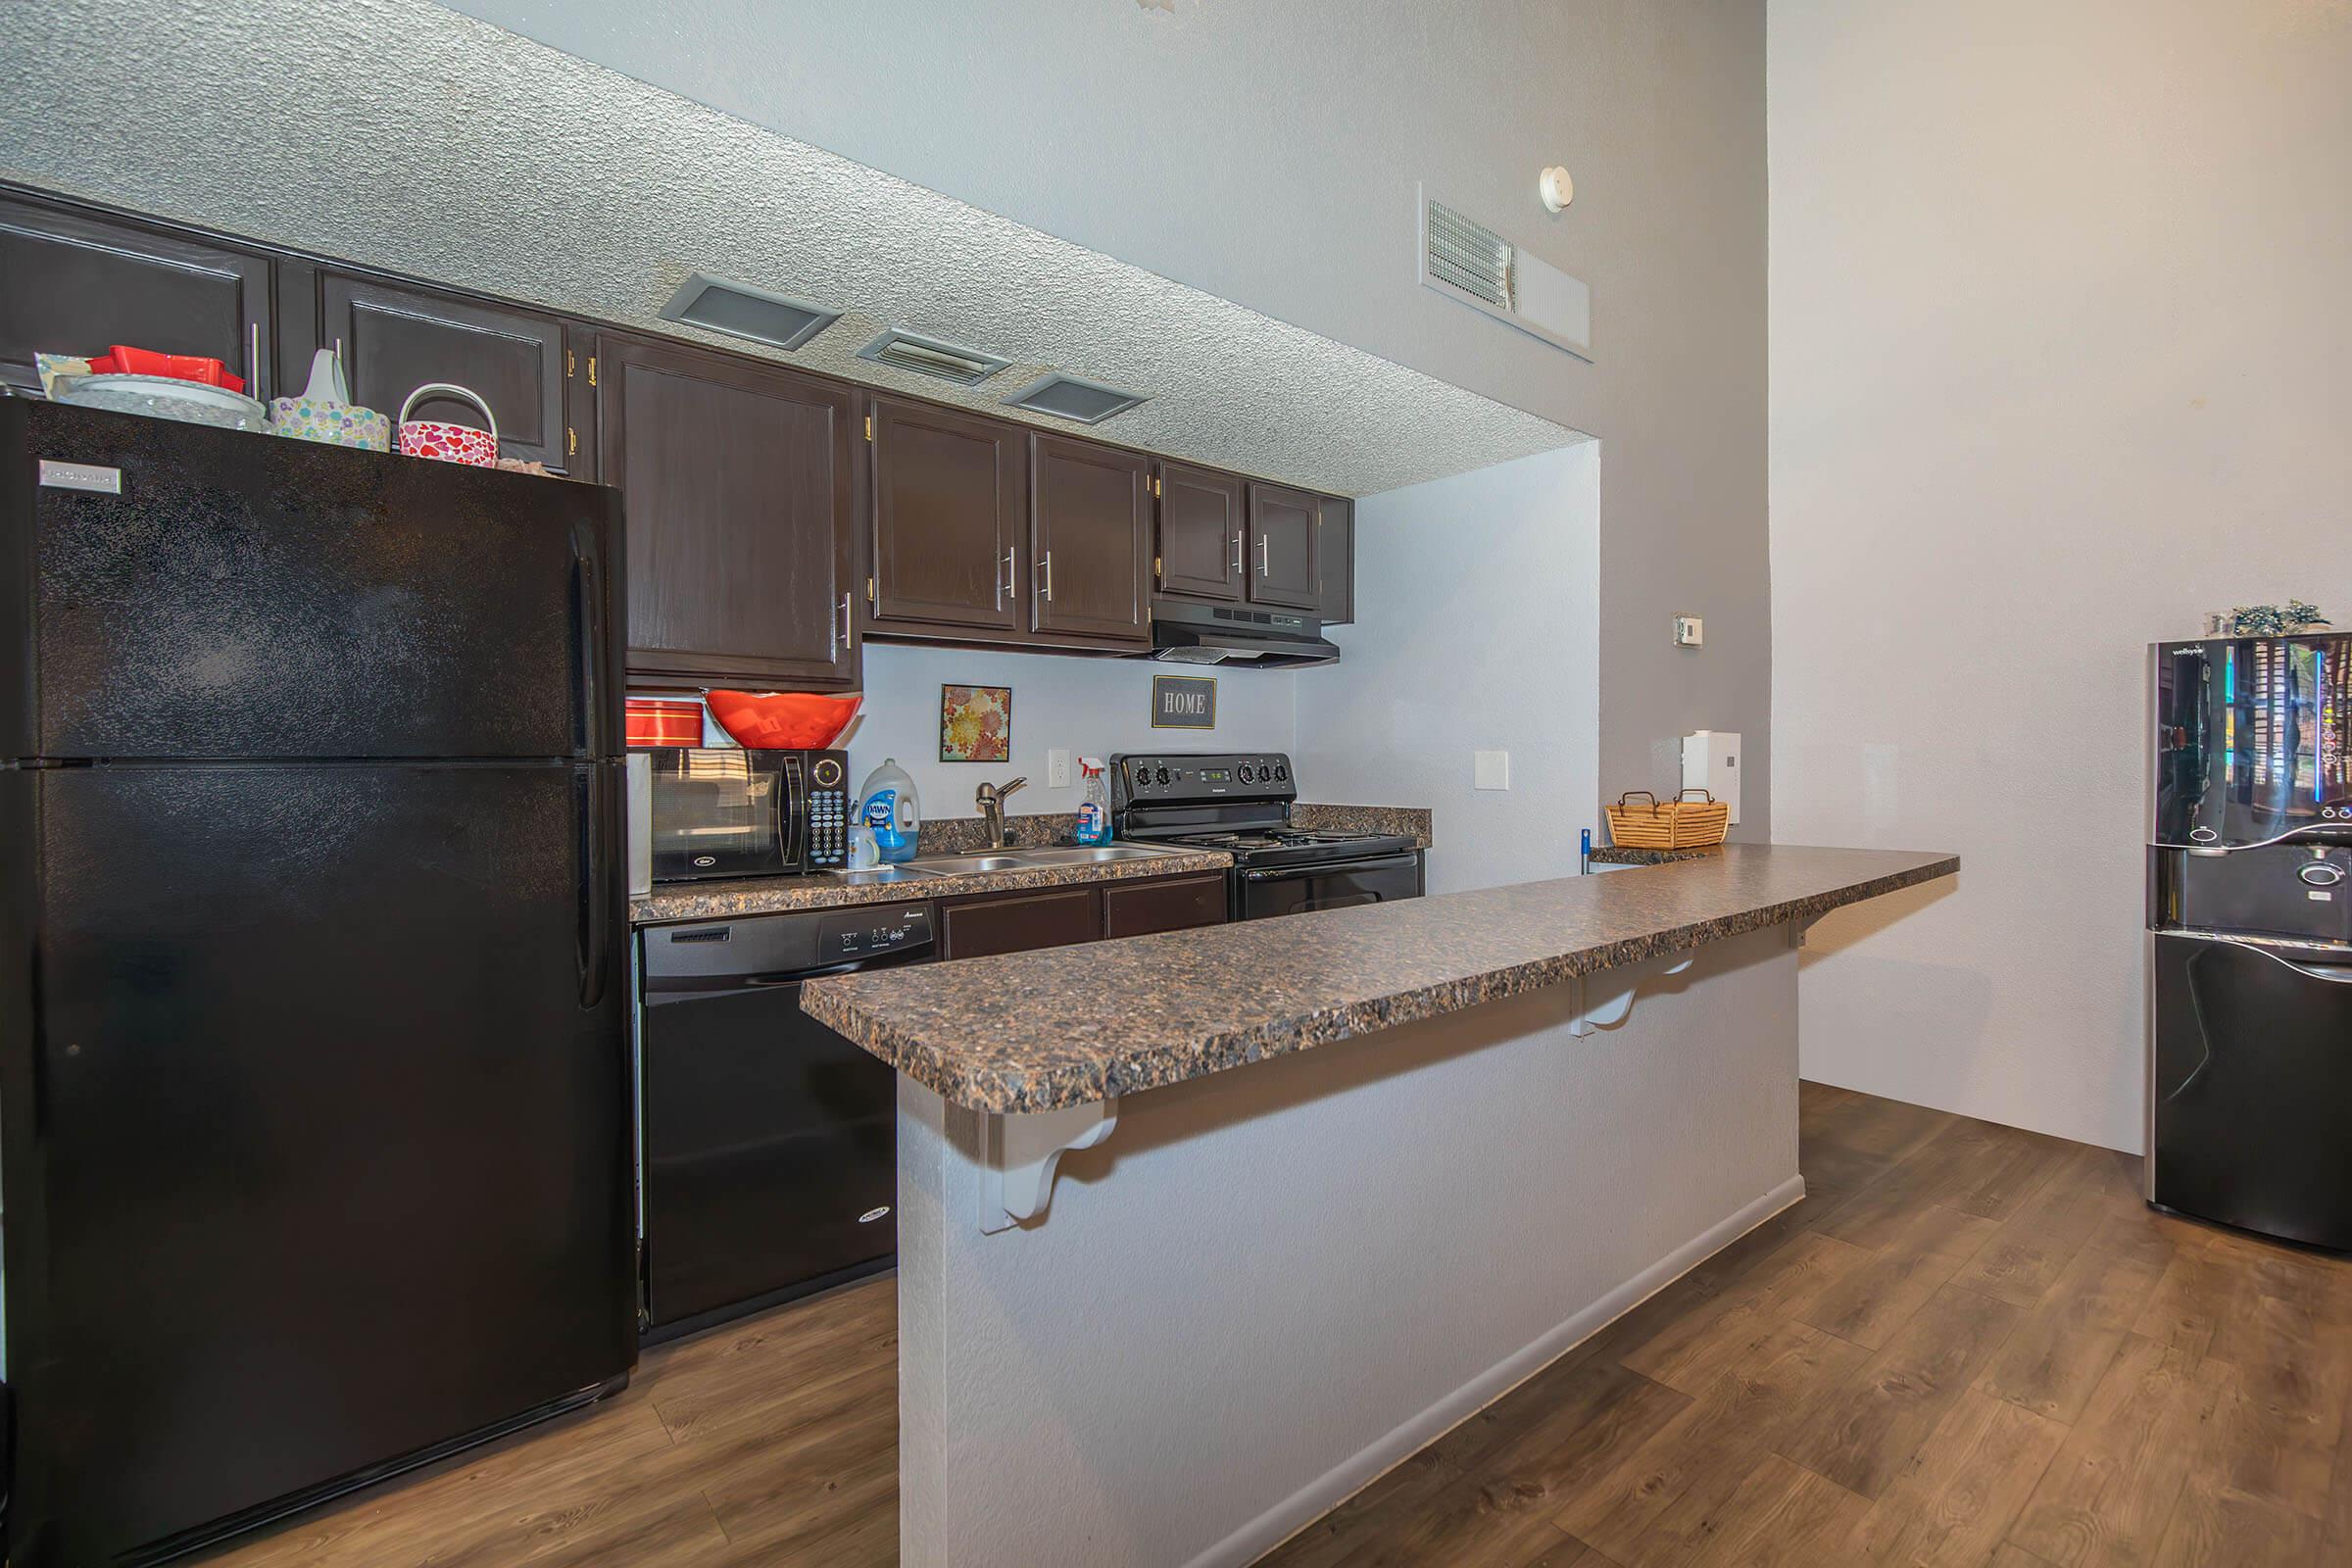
x=399 y=134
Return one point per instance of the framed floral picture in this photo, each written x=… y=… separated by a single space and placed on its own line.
x=975 y=723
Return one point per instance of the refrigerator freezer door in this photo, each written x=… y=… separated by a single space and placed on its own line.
x=2252 y=1079
x=329 y=1130
x=249 y=596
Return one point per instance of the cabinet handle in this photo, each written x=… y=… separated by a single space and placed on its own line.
x=1045 y=568
x=1002 y=592
x=253 y=362
x=1266 y=552
x=571 y=442
x=848 y=633
x=1237 y=554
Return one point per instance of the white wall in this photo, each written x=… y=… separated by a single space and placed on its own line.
x=1477 y=628
x=1269 y=1285
x=2059 y=344
x=1268 y=151
x=1094 y=707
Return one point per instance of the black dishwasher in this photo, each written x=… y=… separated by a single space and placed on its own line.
x=770 y=1142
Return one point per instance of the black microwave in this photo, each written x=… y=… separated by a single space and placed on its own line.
x=723 y=811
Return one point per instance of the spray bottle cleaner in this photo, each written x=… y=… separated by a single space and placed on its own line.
x=1094 y=812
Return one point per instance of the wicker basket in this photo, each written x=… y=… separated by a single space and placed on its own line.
x=1639 y=820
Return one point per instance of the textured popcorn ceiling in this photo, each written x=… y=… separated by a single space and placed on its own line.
x=399 y=134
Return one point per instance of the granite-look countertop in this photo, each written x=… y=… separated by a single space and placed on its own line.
x=1633 y=855
x=1067 y=1026
x=1413 y=821
x=771 y=894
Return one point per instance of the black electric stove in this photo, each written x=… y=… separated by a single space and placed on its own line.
x=1240 y=802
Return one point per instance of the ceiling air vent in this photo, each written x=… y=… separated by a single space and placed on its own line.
x=932 y=356
x=740 y=311
x=1070 y=397
x=1465 y=259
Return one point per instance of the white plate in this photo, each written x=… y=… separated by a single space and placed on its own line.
x=166 y=386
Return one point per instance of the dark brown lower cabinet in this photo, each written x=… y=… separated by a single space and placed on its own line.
x=1162 y=903
x=1057 y=917
x=1016 y=922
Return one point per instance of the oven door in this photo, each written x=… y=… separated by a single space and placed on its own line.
x=1339 y=885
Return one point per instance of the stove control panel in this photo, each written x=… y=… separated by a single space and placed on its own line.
x=1157 y=779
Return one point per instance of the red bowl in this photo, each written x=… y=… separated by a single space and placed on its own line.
x=122 y=359
x=788 y=721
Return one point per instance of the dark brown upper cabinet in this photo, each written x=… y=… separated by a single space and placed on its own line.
x=1334 y=552
x=950 y=503
x=1282 y=557
x=396 y=339
x=1089 y=537
x=1201 y=533
x=737 y=480
x=75 y=282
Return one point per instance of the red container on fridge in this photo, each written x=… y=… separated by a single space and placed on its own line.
x=664 y=721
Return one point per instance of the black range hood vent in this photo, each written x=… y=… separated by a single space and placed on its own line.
x=1229 y=634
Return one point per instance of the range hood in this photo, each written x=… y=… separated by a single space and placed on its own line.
x=1233 y=634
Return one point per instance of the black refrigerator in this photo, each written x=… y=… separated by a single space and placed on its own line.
x=2250 y=935
x=314 y=1084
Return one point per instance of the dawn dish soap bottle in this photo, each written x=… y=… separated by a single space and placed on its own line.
x=887 y=803
x=1094 y=812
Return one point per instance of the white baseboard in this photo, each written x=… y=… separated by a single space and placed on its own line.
x=1343 y=1481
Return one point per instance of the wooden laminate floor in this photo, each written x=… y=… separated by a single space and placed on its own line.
x=1967 y=1345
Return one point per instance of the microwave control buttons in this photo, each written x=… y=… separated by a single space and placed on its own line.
x=827 y=771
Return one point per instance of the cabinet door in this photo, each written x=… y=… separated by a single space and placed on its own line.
x=1020 y=922
x=736 y=480
x=1090 y=529
x=396 y=339
x=951 y=495
x=1282 y=557
x=1200 y=534
x=75 y=283
x=1162 y=903
x=1335 y=549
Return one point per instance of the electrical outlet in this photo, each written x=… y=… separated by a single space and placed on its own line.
x=1057 y=768
x=1688 y=631
x=1491 y=771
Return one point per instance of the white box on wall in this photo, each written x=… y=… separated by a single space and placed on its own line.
x=1711 y=763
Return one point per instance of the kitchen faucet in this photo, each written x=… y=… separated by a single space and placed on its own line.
x=990 y=798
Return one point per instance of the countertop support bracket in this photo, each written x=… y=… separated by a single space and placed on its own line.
x=1797 y=929
x=1016 y=1182
x=1605 y=998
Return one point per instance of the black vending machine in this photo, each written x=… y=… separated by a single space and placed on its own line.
x=315 y=1093
x=2250 y=935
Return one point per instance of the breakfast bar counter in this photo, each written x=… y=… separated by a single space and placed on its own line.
x=1039 y=1031
x=1201 y=1232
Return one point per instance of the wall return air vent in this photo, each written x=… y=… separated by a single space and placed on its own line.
x=741 y=310
x=933 y=356
x=1070 y=397
x=1461 y=257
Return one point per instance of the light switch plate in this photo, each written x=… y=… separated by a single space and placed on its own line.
x=1689 y=631
x=1057 y=768
x=1491 y=771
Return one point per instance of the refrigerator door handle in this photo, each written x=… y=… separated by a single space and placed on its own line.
x=595 y=921
x=588 y=627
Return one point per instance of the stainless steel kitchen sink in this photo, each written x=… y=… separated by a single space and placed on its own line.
x=965 y=864
x=873 y=875
x=1091 y=855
